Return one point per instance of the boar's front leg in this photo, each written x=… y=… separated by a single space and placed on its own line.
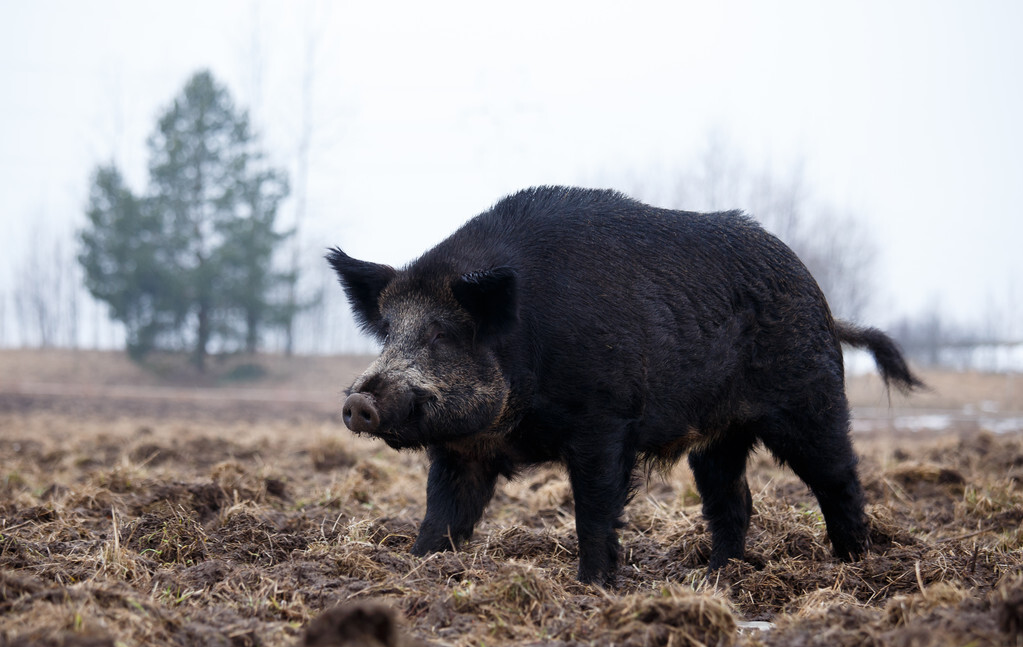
x=457 y=491
x=600 y=469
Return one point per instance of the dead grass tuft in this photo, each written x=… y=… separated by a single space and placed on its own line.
x=674 y=616
x=168 y=535
x=902 y=609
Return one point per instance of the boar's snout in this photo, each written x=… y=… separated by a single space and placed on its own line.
x=360 y=413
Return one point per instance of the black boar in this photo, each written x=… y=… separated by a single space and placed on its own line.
x=583 y=327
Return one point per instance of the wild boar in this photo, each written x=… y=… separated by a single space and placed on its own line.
x=582 y=327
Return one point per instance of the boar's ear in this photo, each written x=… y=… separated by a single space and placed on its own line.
x=491 y=298
x=363 y=282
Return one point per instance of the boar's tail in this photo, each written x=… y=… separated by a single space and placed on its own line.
x=887 y=355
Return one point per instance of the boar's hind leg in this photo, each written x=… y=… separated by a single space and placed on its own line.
x=820 y=452
x=600 y=470
x=720 y=473
x=457 y=491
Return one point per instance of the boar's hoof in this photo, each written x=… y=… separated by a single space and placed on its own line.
x=360 y=413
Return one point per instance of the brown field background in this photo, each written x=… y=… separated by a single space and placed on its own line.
x=146 y=506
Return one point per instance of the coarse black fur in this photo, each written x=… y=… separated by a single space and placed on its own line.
x=583 y=327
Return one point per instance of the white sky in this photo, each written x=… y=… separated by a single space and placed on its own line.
x=904 y=113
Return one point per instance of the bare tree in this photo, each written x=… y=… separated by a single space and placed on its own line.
x=41 y=288
x=779 y=203
x=304 y=145
x=841 y=255
x=1014 y=328
x=72 y=314
x=3 y=319
x=836 y=247
x=299 y=292
x=47 y=305
x=719 y=176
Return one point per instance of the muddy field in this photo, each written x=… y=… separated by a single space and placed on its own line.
x=135 y=510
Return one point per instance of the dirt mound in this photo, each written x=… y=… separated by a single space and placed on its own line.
x=674 y=617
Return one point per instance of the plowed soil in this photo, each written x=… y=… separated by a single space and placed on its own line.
x=136 y=514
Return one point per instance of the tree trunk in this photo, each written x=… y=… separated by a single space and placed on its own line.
x=202 y=337
x=251 y=332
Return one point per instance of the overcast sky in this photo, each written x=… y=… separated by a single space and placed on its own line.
x=906 y=114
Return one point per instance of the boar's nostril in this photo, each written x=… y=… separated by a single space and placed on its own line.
x=360 y=413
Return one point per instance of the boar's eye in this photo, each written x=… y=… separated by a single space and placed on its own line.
x=436 y=335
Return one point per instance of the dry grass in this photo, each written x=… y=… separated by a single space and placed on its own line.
x=949 y=390
x=102 y=368
x=180 y=525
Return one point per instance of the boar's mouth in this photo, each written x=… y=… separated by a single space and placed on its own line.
x=397 y=420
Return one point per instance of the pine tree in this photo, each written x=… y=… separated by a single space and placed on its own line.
x=207 y=230
x=126 y=262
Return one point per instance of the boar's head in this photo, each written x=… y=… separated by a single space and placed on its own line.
x=437 y=379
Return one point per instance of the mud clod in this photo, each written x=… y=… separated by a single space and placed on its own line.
x=354 y=625
x=1009 y=602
